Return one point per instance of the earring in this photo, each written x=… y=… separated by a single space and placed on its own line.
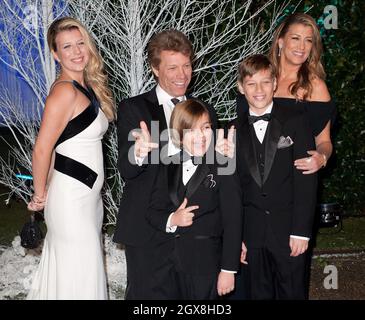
x=279 y=53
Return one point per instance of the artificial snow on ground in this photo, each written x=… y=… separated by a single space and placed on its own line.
x=17 y=266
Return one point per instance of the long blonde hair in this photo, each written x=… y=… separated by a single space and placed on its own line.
x=94 y=73
x=312 y=67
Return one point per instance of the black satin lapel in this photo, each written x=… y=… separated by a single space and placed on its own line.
x=156 y=110
x=157 y=114
x=248 y=149
x=174 y=175
x=273 y=135
x=201 y=172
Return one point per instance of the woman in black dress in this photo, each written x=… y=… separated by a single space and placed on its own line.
x=295 y=53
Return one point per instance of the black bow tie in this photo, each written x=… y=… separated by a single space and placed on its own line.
x=175 y=101
x=185 y=157
x=253 y=119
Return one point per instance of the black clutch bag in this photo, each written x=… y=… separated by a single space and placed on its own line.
x=31 y=234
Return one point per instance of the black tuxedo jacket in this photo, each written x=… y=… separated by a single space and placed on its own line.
x=213 y=241
x=132 y=228
x=283 y=204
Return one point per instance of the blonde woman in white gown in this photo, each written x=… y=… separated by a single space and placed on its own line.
x=75 y=118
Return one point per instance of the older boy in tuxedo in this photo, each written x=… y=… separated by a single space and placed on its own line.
x=279 y=200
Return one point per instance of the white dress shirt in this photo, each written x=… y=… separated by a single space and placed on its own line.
x=260 y=130
x=189 y=169
x=261 y=125
x=164 y=99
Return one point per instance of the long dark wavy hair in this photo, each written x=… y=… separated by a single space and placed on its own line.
x=312 y=67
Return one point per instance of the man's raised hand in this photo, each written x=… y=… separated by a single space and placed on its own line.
x=143 y=144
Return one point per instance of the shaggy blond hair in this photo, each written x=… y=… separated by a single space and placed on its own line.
x=168 y=40
x=94 y=73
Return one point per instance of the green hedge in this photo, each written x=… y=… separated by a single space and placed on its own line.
x=344 y=179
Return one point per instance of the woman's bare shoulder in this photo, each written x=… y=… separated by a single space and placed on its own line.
x=62 y=94
x=60 y=103
x=319 y=90
x=62 y=89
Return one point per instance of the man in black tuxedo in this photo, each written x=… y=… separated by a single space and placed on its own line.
x=279 y=200
x=170 y=55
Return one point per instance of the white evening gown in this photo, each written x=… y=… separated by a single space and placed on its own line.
x=72 y=264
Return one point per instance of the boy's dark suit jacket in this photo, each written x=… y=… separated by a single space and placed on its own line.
x=283 y=204
x=213 y=241
x=132 y=228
